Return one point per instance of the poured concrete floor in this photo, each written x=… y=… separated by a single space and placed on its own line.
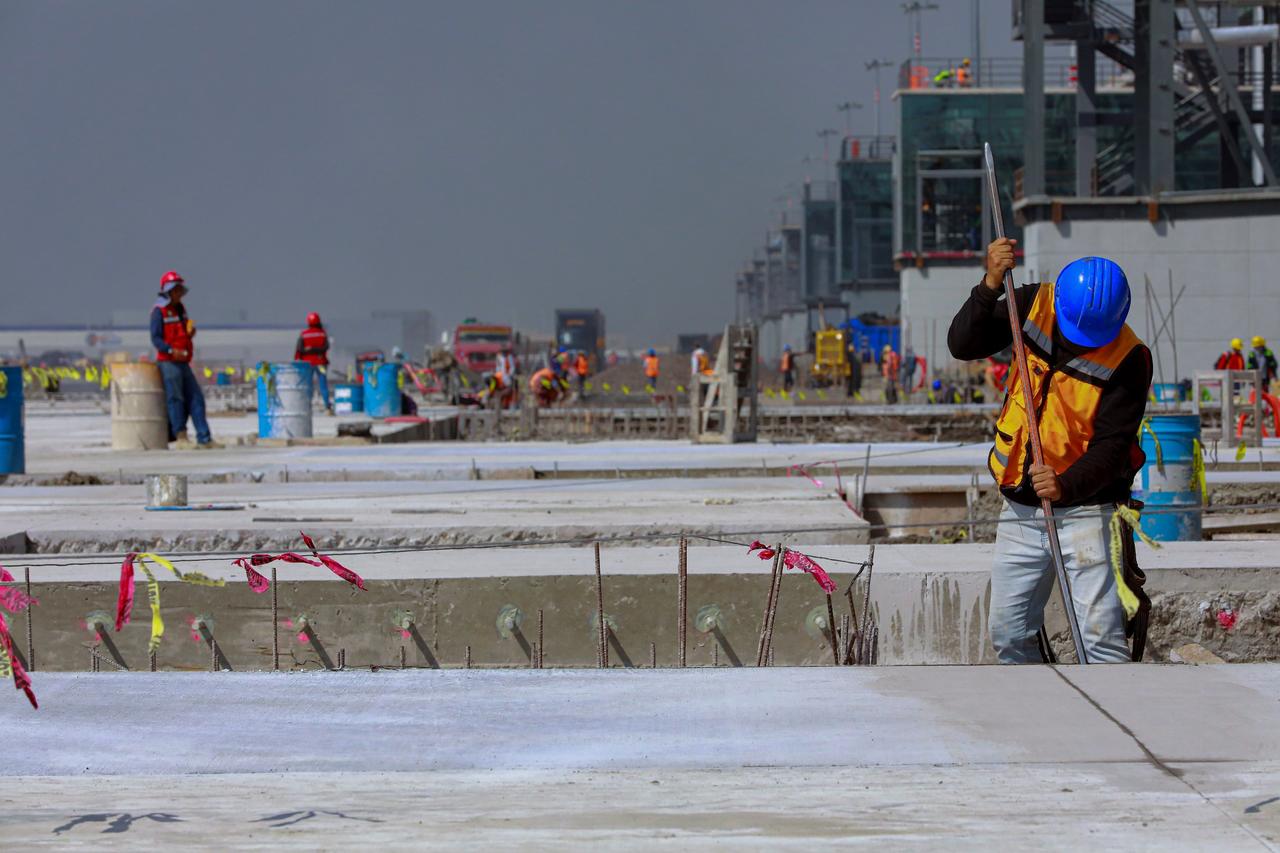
x=939 y=757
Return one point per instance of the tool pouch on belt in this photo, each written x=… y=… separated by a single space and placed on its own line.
x=1135 y=629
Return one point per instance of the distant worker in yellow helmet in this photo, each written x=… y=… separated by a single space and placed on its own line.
x=964 y=74
x=1232 y=359
x=1262 y=358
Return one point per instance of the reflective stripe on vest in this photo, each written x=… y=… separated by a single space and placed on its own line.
x=1066 y=397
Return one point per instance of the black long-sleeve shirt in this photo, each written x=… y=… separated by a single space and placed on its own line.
x=1104 y=474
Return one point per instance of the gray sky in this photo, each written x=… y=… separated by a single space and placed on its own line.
x=497 y=158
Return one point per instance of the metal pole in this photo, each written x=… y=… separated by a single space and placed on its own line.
x=1033 y=426
x=31 y=648
x=602 y=653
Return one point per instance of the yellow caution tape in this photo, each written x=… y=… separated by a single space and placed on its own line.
x=650 y=389
x=1125 y=515
x=153 y=590
x=1197 y=469
x=784 y=394
x=1241 y=451
x=606 y=386
x=4 y=385
x=208 y=374
x=626 y=389
x=1145 y=426
x=679 y=389
x=105 y=379
x=229 y=370
x=587 y=386
x=801 y=395
x=822 y=395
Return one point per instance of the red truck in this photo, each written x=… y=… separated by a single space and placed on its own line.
x=476 y=345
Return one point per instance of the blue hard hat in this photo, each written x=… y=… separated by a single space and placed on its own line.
x=786 y=347
x=1091 y=301
x=651 y=352
x=937 y=384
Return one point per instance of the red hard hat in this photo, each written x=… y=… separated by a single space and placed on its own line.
x=170 y=280
x=313 y=319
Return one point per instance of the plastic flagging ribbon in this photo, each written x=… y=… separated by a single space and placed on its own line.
x=14 y=601
x=1122 y=516
x=1197 y=469
x=796 y=560
x=1145 y=426
x=259 y=584
x=124 y=600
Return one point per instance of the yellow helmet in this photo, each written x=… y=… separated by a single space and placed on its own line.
x=1236 y=343
x=1258 y=341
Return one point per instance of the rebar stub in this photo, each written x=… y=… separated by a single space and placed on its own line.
x=708 y=618
x=509 y=620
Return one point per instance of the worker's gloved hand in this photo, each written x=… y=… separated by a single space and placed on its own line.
x=1045 y=481
x=999 y=261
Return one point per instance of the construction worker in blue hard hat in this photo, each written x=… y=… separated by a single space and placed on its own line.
x=1090 y=375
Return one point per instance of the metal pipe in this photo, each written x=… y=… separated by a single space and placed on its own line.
x=1033 y=425
x=1242 y=36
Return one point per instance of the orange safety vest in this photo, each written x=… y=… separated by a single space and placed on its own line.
x=651 y=366
x=543 y=380
x=580 y=366
x=1066 y=397
x=1230 y=360
x=177 y=333
x=785 y=366
x=704 y=363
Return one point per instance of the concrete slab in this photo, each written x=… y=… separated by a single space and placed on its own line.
x=922 y=758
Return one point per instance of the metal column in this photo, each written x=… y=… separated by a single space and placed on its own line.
x=1086 y=117
x=1153 y=96
x=1033 y=97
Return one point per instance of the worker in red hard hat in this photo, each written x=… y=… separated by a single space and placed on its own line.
x=313 y=348
x=173 y=336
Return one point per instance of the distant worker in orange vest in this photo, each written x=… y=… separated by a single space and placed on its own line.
x=313 y=348
x=545 y=386
x=581 y=370
x=787 y=365
x=1232 y=359
x=890 y=365
x=651 y=368
x=173 y=336
x=964 y=76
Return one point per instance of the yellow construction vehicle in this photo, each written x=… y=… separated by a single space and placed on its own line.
x=830 y=361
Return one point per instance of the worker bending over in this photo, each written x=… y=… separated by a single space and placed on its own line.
x=173 y=336
x=1089 y=379
x=313 y=348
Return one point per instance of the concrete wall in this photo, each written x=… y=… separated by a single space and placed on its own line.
x=1227 y=254
x=930 y=298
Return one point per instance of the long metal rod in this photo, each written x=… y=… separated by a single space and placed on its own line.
x=1033 y=426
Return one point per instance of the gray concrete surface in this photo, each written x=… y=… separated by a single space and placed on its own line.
x=919 y=758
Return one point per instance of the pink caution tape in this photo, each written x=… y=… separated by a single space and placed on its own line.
x=796 y=560
x=800 y=470
x=15 y=601
x=259 y=584
x=333 y=565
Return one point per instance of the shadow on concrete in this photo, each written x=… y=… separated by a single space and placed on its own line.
x=423 y=648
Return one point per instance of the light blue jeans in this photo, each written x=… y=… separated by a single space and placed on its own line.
x=1023 y=577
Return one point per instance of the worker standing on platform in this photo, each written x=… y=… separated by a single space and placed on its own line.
x=1090 y=377
x=787 y=366
x=699 y=363
x=1262 y=358
x=651 y=368
x=313 y=348
x=173 y=336
x=1232 y=359
x=964 y=74
x=890 y=364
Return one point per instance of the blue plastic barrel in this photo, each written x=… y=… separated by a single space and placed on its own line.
x=13 y=455
x=1168 y=392
x=284 y=401
x=224 y=378
x=1167 y=483
x=348 y=399
x=381 y=393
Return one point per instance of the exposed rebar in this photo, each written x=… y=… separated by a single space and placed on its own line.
x=831 y=631
x=403 y=658
x=151 y=660
x=275 y=623
x=31 y=648
x=602 y=656
x=467 y=661
x=653 y=655
x=540 y=640
x=682 y=603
